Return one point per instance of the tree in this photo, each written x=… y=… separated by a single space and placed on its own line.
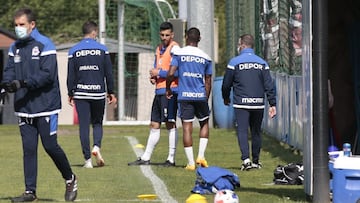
x=59 y=19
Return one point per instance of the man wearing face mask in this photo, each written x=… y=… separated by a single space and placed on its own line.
x=249 y=77
x=89 y=68
x=32 y=74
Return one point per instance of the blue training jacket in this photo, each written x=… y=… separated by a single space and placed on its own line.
x=34 y=60
x=89 y=66
x=249 y=76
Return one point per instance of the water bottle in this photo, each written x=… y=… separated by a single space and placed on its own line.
x=347 y=149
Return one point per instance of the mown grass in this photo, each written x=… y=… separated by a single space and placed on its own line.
x=117 y=182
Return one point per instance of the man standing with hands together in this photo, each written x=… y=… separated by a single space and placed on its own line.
x=162 y=110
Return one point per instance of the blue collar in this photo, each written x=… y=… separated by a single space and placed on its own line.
x=247 y=50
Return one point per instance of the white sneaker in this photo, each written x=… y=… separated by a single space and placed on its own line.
x=96 y=152
x=88 y=164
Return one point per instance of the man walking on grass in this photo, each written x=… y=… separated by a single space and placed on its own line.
x=32 y=74
x=249 y=77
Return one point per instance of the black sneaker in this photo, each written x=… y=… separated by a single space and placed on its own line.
x=246 y=167
x=71 y=189
x=167 y=163
x=257 y=165
x=139 y=161
x=27 y=196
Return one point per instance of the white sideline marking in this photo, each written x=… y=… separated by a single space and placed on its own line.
x=159 y=186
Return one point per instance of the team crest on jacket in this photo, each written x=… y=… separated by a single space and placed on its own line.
x=35 y=51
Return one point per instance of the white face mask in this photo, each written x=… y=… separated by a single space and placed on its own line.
x=21 y=32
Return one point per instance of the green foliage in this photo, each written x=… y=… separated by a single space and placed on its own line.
x=137 y=25
x=59 y=19
x=142 y=21
x=118 y=182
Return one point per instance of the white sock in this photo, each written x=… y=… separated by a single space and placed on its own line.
x=246 y=161
x=190 y=155
x=152 y=141
x=173 y=139
x=202 y=147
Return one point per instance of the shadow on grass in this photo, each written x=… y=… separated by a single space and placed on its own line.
x=290 y=193
x=5 y=198
x=38 y=199
x=82 y=166
x=282 y=152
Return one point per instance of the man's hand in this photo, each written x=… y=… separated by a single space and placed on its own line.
x=227 y=102
x=71 y=100
x=169 y=93
x=14 y=85
x=2 y=95
x=112 y=99
x=154 y=72
x=153 y=80
x=272 y=111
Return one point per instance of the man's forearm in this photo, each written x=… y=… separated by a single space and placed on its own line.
x=169 y=79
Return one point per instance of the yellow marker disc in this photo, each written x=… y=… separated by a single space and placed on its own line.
x=147 y=196
x=139 y=146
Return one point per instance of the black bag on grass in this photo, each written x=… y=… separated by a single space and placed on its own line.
x=291 y=174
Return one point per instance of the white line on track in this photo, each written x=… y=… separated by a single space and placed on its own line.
x=159 y=186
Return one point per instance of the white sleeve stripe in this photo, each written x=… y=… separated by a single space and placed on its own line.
x=231 y=67
x=50 y=52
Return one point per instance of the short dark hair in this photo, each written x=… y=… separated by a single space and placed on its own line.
x=89 y=26
x=247 y=40
x=193 y=34
x=30 y=15
x=166 y=26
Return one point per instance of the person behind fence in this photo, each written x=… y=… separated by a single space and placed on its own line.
x=194 y=68
x=162 y=110
x=249 y=77
x=32 y=74
x=90 y=82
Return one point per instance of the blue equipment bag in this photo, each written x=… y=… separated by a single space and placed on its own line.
x=211 y=179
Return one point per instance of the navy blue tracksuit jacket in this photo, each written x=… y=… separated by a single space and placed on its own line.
x=82 y=83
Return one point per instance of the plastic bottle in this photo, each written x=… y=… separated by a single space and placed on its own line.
x=347 y=149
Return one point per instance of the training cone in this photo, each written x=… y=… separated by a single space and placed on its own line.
x=196 y=198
